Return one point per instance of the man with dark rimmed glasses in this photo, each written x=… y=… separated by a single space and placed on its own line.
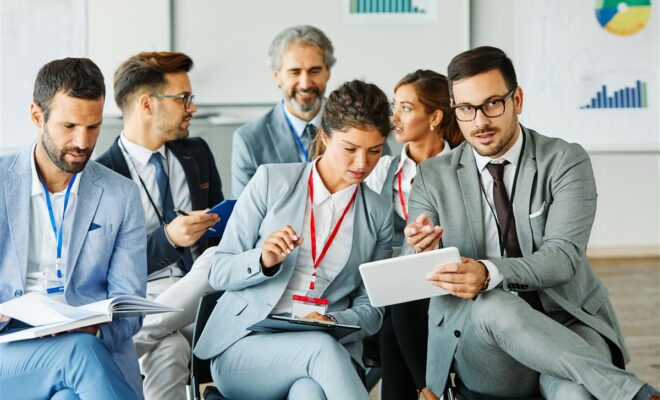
x=173 y=172
x=525 y=315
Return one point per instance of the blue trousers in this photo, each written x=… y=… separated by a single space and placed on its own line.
x=66 y=367
x=288 y=365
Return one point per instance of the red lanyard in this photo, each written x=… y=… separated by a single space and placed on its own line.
x=312 y=228
x=403 y=201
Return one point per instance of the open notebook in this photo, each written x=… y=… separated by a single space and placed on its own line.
x=47 y=316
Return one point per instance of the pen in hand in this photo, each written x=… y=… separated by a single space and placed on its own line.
x=185 y=214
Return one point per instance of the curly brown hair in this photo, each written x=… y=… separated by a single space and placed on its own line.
x=354 y=104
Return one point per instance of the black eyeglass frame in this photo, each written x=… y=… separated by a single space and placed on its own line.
x=502 y=100
x=188 y=98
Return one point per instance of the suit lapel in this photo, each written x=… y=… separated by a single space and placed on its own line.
x=280 y=134
x=192 y=174
x=523 y=195
x=117 y=160
x=471 y=191
x=297 y=216
x=18 y=208
x=87 y=201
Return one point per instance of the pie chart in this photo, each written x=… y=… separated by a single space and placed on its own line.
x=623 y=18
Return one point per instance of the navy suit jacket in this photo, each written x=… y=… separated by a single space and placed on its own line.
x=203 y=182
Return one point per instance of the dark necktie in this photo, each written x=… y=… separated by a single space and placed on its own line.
x=163 y=182
x=307 y=137
x=511 y=245
x=167 y=204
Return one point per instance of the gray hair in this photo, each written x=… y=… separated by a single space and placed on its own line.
x=303 y=34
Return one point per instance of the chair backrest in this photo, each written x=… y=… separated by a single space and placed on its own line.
x=200 y=370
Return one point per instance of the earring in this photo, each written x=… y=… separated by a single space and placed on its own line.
x=432 y=127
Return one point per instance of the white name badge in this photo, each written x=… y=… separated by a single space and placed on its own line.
x=303 y=306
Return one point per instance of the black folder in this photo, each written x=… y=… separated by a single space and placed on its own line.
x=280 y=323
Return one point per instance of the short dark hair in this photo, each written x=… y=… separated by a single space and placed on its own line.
x=147 y=70
x=478 y=60
x=75 y=77
x=432 y=91
x=355 y=104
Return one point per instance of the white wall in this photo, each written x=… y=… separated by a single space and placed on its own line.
x=628 y=215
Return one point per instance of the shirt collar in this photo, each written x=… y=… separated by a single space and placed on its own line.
x=321 y=193
x=138 y=153
x=406 y=160
x=37 y=187
x=512 y=155
x=300 y=124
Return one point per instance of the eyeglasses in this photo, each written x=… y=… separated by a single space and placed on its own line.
x=491 y=109
x=187 y=98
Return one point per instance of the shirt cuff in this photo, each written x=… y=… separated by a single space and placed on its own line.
x=495 y=277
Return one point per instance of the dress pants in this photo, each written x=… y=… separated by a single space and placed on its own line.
x=508 y=349
x=68 y=366
x=163 y=343
x=403 y=340
x=287 y=365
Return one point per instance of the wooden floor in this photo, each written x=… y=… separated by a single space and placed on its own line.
x=634 y=286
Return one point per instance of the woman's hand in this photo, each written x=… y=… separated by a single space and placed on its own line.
x=277 y=247
x=316 y=316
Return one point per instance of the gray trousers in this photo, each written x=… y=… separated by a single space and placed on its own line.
x=508 y=349
x=287 y=365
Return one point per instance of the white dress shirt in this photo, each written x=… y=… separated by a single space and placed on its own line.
x=490 y=223
x=42 y=244
x=137 y=158
x=328 y=208
x=376 y=179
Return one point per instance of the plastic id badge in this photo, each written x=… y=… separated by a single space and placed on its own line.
x=303 y=306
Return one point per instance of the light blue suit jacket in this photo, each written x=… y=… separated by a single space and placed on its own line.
x=275 y=197
x=106 y=255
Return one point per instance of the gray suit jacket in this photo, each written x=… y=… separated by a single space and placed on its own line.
x=106 y=254
x=266 y=140
x=556 y=185
x=274 y=197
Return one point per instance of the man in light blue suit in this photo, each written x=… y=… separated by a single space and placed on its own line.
x=72 y=230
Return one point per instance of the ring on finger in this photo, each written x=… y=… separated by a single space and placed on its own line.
x=418 y=248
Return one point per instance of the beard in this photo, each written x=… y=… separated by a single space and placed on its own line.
x=304 y=108
x=57 y=155
x=502 y=145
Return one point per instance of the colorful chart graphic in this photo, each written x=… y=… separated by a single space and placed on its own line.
x=387 y=7
x=623 y=18
x=628 y=97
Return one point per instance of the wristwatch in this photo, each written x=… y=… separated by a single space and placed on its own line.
x=484 y=287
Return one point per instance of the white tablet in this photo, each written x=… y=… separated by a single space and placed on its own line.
x=403 y=279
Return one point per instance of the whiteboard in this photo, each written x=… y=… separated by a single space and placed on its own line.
x=32 y=33
x=566 y=59
x=228 y=41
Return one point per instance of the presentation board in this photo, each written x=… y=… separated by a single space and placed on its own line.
x=229 y=41
x=590 y=71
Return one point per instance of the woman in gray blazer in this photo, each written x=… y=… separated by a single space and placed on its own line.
x=424 y=121
x=303 y=230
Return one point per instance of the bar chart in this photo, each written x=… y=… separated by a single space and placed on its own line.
x=629 y=97
x=388 y=7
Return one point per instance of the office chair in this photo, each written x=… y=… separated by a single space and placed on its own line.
x=200 y=370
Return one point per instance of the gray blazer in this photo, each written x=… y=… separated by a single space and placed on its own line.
x=554 y=208
x=274 y=197
x=266 y=140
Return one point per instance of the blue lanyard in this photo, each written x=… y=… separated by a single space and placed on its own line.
x=301 y=147
x=58 y=233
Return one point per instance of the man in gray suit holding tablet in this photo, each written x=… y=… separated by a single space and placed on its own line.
x=300 y=58
x=526 y=314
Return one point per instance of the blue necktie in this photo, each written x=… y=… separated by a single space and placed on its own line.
x=163 y=182
x=307 y=137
